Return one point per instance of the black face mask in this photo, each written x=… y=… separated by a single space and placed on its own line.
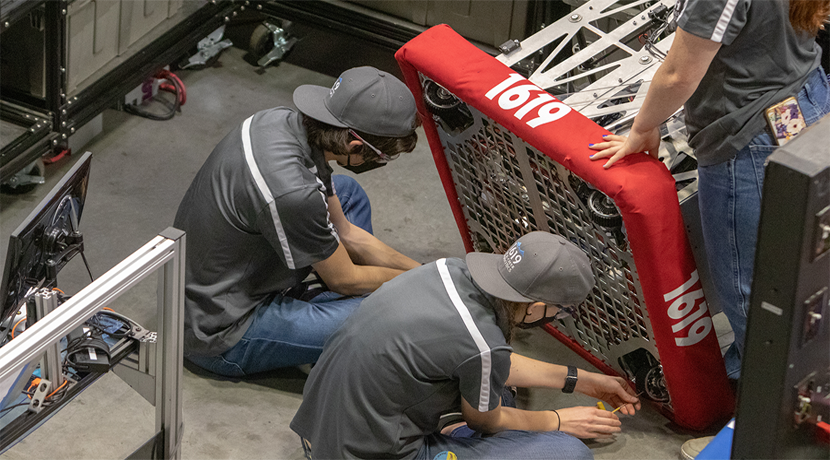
x=362 y=167
x=563 y=312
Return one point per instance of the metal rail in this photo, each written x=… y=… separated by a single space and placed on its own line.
x=596 y=52
x=165 y=253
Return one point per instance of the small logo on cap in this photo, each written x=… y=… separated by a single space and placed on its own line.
x=513 y=256
x=335 y=86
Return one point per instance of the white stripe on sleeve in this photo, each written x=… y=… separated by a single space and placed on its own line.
x=467 y=317
x=723 y=22
x=266 y=192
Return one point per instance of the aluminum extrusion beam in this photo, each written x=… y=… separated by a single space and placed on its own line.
x=164 y=253
x=169 y=353
x=30 y=343
x=46 y=302
x=609 y=80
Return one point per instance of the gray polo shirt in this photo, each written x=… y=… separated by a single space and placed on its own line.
x=762 y=62
x=407 y=355
x=256 y=218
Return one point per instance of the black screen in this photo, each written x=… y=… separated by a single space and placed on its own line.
x=38 y=247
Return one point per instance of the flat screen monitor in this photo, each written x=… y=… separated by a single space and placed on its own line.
x=46 y=240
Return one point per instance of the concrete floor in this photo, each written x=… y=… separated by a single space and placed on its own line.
x=140 y=171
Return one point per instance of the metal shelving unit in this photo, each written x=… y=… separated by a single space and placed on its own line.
x=40 y=125
x=391 y=23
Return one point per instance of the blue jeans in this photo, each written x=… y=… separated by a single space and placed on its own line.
x=354 y=201
x=729 y=196
x=288 y=332
x=466 y=443
x=507 y=444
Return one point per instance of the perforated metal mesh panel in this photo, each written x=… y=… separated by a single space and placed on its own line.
x=507 y=189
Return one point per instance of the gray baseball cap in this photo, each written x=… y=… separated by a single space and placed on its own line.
x=539 y=267
x=363 y=98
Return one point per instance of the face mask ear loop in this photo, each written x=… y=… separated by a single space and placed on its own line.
x=542 y=321
x=524 y=319
x=539 y=322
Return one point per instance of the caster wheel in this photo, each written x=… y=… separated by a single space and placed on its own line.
x=651 y=383
x=260 y=43
x=37 y=168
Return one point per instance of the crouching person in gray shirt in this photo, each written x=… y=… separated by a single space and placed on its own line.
x=265 y=209
x=436 y=340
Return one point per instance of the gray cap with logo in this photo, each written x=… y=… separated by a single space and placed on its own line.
x=539 y=267
x=363 y=98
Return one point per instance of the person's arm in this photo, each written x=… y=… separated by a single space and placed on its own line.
x=361 y=262
x=530 y=373
x=673 y=84
x=582 y=422
x=343 y=276
x=362 y=246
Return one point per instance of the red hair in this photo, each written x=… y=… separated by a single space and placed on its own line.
x=809 y=15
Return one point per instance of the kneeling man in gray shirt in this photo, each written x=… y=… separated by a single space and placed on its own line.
x=436 y=340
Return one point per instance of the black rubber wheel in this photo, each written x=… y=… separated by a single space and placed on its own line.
x=438 y=99
x=603 y=211
x=260 y=43
x=38 y=168
x=651 y=384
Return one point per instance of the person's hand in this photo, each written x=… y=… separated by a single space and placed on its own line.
x=617 y=147
x=613 y=390
x=588 y=422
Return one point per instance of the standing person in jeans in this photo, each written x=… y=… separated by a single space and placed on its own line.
x=729 y=62
x=436 y=340
x=264 y=210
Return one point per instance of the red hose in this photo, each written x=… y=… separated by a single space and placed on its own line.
x=175 y=86
x=58 y=157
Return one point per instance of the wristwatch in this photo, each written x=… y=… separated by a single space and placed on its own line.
x=570 y=380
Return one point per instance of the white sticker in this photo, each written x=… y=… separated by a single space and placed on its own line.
x=772 y=308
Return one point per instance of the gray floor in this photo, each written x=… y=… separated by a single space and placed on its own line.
x=140 y=171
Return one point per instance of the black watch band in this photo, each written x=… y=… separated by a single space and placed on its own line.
x=570 y=380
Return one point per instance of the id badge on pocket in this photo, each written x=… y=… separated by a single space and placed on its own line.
x=785 y=120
